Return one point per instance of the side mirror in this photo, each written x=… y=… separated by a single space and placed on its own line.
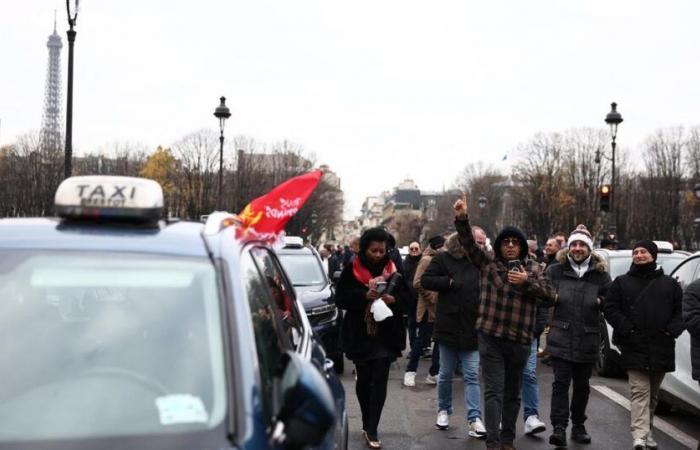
x=308 y=409
x=336 y=276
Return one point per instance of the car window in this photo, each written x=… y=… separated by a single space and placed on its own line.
x=303 y=269
x=686 y=272
x=108 y=344
x=669 y=263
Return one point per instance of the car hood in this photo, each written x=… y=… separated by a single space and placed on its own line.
x=313 y=296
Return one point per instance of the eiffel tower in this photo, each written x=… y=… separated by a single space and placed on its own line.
x=51 y=121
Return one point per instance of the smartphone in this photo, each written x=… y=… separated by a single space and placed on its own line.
x=381 y=287
x=514 y=264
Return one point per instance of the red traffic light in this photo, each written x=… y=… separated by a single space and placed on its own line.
x=605 y=189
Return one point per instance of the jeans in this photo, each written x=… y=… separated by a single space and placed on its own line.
x=531 y=395
x=564 y=373
x=425 y=332
x=502 y=364
x=372 y=378
x=470 y=369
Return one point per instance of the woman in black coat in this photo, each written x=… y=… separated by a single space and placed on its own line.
x=371 y=345
x=645 y=310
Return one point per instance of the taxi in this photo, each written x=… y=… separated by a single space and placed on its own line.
x=121 y=330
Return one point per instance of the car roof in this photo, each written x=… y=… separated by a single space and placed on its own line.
x=294 y=250
x=628 y=253
x=181 y=238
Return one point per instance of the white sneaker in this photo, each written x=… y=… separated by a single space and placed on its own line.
x=651 y=443
x=409 y=379
x=639 y=444
x=443 y=420
x=431 y=379
x=476 y=429
x=534 y=425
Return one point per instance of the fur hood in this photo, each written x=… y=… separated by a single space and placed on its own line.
x=454 y=246
x=597 y=261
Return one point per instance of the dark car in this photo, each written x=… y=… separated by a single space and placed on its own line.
x=316 y=292
x=124 y=331
x=619 y=262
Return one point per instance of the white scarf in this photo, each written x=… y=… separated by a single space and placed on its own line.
x=582 y=268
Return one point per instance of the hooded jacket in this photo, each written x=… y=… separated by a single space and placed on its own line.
x=645 y=311
x=691 y=317
x=452 y=274
x=574 y=333
x=426 y=299
x=506 y=310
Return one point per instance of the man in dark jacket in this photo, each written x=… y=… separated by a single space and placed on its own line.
x=580 y=278
x=691 y=316
x=456 y=280
x=509 y=289
x=410 y=264
x=644 y=307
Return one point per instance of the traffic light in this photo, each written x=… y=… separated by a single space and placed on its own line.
x=605 y=197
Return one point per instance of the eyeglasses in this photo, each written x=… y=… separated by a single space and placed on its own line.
x=511 y=241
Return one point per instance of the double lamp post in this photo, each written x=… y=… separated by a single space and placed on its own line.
x=613 y=119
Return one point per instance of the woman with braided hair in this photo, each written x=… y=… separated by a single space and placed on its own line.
x=372 y=345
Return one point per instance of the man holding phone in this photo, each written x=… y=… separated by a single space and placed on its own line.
x=510 y=287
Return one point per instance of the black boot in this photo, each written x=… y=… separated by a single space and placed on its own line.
x=579 y=434
x=558 y=437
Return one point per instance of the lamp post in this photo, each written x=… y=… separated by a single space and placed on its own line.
x=72 y=10
x=482 y=202
x=613 y=119
x=222 y=113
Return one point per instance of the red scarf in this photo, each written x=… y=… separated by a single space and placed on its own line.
x=363 y=275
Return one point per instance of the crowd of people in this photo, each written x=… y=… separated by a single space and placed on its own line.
x=491 y=311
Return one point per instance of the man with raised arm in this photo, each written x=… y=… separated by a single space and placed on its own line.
x=511 y=285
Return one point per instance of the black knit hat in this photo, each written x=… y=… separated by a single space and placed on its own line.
x=649 y=245
x=436 y=242
x=510 y=232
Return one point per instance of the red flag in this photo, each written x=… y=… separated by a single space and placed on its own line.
x=266 y=216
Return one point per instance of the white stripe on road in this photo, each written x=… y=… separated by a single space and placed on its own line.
x=659 y=423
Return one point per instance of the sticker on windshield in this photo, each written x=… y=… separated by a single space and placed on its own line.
x=177 y=409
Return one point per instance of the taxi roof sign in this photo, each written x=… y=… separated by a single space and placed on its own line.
x=109 y=197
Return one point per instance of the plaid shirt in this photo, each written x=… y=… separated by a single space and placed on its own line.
x=505 y=310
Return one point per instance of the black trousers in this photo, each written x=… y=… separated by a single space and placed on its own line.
x=564 y=373
x=502 y=364
x=372 y=378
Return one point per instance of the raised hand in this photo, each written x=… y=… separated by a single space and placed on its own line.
x=460 y=206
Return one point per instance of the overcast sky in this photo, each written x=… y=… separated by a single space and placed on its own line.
x=379 y=90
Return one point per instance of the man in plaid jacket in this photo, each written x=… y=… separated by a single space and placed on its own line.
x=510 y=287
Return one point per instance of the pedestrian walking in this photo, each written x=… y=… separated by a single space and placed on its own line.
x=691 y=317
x=510 y=285
x=580 y=278
x=644 y=307
x=456 y=280
x=410 y=264
x=530 y=389
x=425 y=316
x=372 y=345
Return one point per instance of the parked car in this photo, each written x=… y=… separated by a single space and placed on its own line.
x=128 y=331
x=619 y=262
x=317 y=294
x=678 y=387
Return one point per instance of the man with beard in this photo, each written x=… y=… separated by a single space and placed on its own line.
x=509 y=289
x=580 y=278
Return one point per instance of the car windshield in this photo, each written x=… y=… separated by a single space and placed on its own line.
x=303 y=269
x=619 y=265
x=108 y=344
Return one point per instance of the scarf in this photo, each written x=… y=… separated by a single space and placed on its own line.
x=364 y=275
x=580 y=269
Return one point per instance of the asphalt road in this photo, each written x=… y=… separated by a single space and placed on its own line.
x=409 y=417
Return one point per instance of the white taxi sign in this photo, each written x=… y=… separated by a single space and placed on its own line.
x=100 y=196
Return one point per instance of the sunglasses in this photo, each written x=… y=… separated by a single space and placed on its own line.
x=414 y=249
x=511 y=241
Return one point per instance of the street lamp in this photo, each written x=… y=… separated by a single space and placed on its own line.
x=222 y=113
x=613 y=119
x=72 y=10
x=482 y=202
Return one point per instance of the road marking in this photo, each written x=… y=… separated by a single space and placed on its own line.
x=659 y=423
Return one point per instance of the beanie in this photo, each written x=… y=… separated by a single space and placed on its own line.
x=436 y=242
x=582 y=234
x=649 y=245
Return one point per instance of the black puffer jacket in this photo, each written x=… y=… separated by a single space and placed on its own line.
x=645 y=327
x=456 y=280
x=691 y=317
x=574 y=332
